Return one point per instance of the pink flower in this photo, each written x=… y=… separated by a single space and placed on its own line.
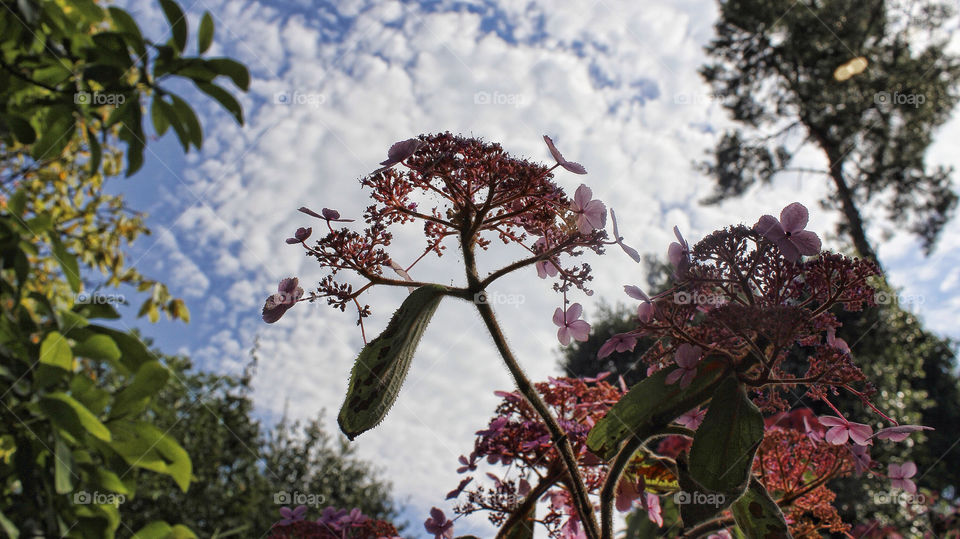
x=621 y=342
x=627 y=492
x=591 y=214
x=900 y=432
x=631 y=252
x=457 y=491
x=646 y=309
x=326 y=214
x=679 y=254
x=570 y=324
x=834 y=342
x=900 y=475
x=400 y=151
x=861 y=459
x=651 y=503
x=788 y=233
x=842 y=430
x=438 y=525
x=722 y=534
x=545 y=268
x=576 y=168
x=300 y=235
x=288 y=293
x=815 y=435
x=692 y=418
x=687 y=357
x=292 y=515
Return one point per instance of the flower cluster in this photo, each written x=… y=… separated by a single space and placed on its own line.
x=333 y=524
x=462 y=190
x=517 y=438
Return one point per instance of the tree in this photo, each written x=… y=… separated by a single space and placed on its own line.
x=243 y=470
x=865 y=82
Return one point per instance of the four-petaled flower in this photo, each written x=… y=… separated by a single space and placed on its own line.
x=292 y=515
x=570 y=324
x=679 y=254
x=591 y=213
x=788 y=232
x=326 y=214
x=400 y=151
x=457 y=491
x=576 y=168
x=687 y=357
x=300 y=235
x=900 y=432
x=900 y=475
x=288 y=293
x=545 y=268
x=631 y=252
x=692 y=418
x=621 y=342
x=646 y=309
x=842 y=430
x=438 y=525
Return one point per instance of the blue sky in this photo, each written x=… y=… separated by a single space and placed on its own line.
x=614 y=83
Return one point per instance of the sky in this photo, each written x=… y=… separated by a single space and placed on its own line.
x=335 y=84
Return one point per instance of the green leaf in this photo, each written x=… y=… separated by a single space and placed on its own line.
x=68 y=413
x=224 y=98
x=55 y=136
x=171 y=116
x=63 y=467
x=97 y=310
x=651 y=405
x=125 y=24
x=189 y=119
x=100 y=347
x=157 y=529
x=758 y=516
x=723 y=448
x=111 y=481
x=134 y=351
x=178 y=23
x=237 y=72
x=205 y=34
x=96 y=152
x=9 y=527
x=382 y=366
x=68 y=262
x=21 y=129
x=696 y=502
x=144 y=446
x=157 y=116
x=55 y=351
x=182 y=532
x=150 y=378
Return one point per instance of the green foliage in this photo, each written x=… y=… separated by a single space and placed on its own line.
x=241 y=465
x=758 y=516
x=67 y=454
x=774 y=63
x=382 y=365
x=650 y=406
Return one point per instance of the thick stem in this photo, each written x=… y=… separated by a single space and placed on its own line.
x=581 y=499
x=609 y=491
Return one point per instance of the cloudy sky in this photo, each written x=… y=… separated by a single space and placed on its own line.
x=613 y=82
